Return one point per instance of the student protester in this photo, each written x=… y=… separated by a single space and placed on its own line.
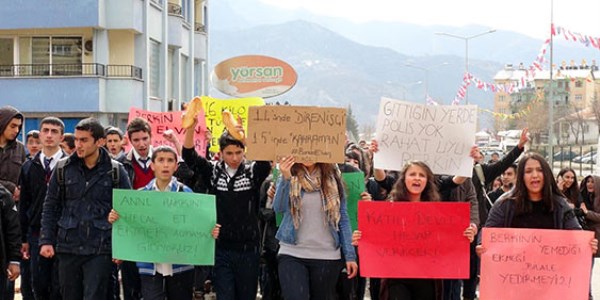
x=314 y=227
x=12 y=151
x=161 y=281
x=32 y=143
x=483 y=175
x=590 y=208
x=35 y=176
x=68 y=143
x=534 y=202
x=114 y=143
x=74 y=224
x=496 y=184
x=269 y=275
x=415 y=184
x=566 y=180
x=10 y=244
x=508 y=179
x=235 y=183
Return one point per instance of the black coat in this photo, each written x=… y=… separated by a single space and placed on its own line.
x=10 y=231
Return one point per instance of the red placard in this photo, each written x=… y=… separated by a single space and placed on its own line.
x=535 y=264
x=163 y=121
x=413 y=240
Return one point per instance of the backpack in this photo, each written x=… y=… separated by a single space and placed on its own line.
x=60 y=173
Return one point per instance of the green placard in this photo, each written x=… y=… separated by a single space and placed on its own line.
x=164 y=227
x=355 y=185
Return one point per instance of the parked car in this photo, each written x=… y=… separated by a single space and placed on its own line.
x=584 y=158
x=564 y=155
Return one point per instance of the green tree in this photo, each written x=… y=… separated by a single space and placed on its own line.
x=351 y=125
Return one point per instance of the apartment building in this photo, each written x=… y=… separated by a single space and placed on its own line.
x=575 y=86
x=75 y=59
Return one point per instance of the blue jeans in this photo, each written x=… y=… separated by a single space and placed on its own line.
x=176 y=287
x=236 y=274
x=84 y=277
x=44 y=273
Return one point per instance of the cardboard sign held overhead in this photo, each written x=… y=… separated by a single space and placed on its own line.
x=441 y=136
x=214 y=121
x=311 y=134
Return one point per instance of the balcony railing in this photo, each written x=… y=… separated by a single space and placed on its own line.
x=174 y=9
x=52 y=70
x=70 y=70
x=199 y=27
x=124 y=71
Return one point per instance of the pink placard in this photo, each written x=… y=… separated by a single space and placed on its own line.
x=163 y=121
x=535 y=264
x=413 y=240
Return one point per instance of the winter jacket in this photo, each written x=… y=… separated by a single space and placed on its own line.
x=490 y=172
x=287 y=232
x=237 y=198
x=12 y=156
x=33 y=193
x=10 y=233
x=75 y=220
x=592 y=203
x=503 y=212
x=148 y=268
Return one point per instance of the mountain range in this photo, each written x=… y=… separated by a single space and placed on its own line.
x=340 y=63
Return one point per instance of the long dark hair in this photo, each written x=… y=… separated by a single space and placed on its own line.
x=430 y=193
x=590 y=198
x=520 y=194
x=571 y=193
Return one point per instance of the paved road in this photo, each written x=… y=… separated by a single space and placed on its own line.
x=595 y=284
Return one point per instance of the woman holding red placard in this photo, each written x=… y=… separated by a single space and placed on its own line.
x=415 y=184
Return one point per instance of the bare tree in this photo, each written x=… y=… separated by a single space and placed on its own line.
x=595 y=107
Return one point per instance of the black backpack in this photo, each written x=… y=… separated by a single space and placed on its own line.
x=60 y=173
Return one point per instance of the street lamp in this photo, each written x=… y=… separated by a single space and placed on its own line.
x=426 y=71
x=466 y=39
x=405 y=87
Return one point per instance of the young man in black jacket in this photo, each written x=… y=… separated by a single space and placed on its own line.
x=35 y=175
x=235 y=182
x=75 y=215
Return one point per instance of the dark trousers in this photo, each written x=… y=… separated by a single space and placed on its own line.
x=269 y=276
x=236 y=274
x=374 y=288
x=313 y=279
x=176 y=287
x=470 y=285
x=131 y=281
x=84 y=277
x=26 y=288
x=452 y=289
x=407 y=289
x=44 y=273
x=7 y=290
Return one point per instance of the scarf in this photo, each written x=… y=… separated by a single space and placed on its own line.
x=312 y=183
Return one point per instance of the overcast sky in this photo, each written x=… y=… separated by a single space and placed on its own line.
x=531 y=17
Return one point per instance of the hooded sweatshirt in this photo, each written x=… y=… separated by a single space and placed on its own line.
x=12 y=155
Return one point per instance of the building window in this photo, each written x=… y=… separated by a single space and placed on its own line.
x=185 y=77
x=578 y=98
x=63 y=55
x=154 y=73
x=578 y=83
x=501 y=98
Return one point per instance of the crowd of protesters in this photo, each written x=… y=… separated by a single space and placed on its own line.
x=56 y=214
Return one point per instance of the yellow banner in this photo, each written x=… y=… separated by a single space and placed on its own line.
x=214 y=122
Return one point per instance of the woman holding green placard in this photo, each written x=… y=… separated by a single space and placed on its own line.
x=315 y=226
